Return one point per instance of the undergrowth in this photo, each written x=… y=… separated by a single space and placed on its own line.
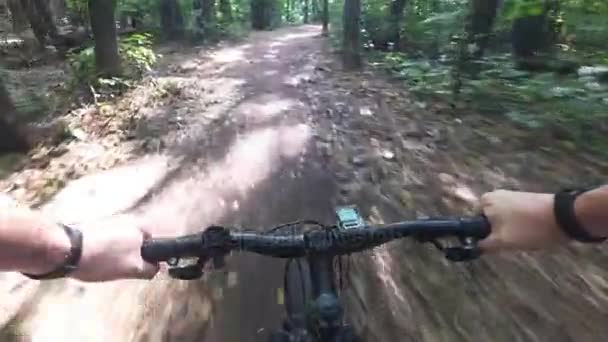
x=572 y=108
x=137 y=58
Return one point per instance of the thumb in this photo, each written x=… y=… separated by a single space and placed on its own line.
x=146 y=269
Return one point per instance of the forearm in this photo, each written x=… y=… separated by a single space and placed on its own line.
x=591 y=210
x=29 y=242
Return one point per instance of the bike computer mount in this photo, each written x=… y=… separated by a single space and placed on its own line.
x=348 y=217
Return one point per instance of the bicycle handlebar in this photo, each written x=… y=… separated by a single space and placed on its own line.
x=219 y=241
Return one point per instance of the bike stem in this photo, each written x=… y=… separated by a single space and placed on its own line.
x=327 y=309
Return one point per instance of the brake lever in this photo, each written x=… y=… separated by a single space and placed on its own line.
x=186 y=271
x=469 y=250
x=216 y=242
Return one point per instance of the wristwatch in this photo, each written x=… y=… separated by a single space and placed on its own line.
x=563 y=209
x=71 y=261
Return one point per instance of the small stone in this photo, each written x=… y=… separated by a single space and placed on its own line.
x=406 y=199
x=58 y=151
x=446 y=178
x=365 y=111
x=494 y=140
x=358 y=160
x=79 y=134
x=465 y=194
x=388 y=155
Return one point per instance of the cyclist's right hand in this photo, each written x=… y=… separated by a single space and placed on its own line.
x=520 y=221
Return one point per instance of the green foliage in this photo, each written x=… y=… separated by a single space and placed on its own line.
x=79 y=8
x=572 y=106
x=82 y=65
x=137 y=54
x=137 y=58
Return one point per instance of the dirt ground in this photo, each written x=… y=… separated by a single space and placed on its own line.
x=271 y=130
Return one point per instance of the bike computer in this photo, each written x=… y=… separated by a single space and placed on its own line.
x=349 y=218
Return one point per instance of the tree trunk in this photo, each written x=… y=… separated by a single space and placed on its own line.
x=316 y=11
x=3 y=7
x=36 y=22
x=261 y=14
x=172 y=21
x=44 y=11
x=306 y=10
x=482 y=20
x=58 y=9
x=103 y=26
x=41 y=20
x=208 y=7
x=226 y=10
x=351 y=42
x=18 y=15
x=395 y=17
x=11 y=138
x=528 y=35
x=325 y=17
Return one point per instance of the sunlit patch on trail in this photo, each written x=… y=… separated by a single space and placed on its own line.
x=294 y=36
x=108 y=192
x=271 y=72
x=264 y=107
x=229 y=55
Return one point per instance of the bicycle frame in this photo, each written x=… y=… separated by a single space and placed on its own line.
x=324 y=314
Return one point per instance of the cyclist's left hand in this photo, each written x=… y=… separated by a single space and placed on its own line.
x=112 y=250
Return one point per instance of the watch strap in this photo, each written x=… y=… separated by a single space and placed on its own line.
x=71 y=261
x=565 y=216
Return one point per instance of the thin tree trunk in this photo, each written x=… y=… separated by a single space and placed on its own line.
x=18 y=15
x=396 y=16
x=226 y=10
x=315 y=10
x=260 y=14
x=11 y=138
x=482 y=20
x=306 y=10
x=36 y=22
x=351 y=42
x=172 y=21
x=44 y=11
x=208 y=7
x=58 y=9
x=325 y=17
x=103 y=26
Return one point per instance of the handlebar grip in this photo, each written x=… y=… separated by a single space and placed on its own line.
x=163 y=249
x=479 y=226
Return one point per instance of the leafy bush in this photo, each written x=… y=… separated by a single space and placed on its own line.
x=137 y=54
x=82 y=66
x=569 y=108
x=137 y=58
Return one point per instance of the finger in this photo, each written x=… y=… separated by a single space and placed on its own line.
x=491 y=244
x=148 y=270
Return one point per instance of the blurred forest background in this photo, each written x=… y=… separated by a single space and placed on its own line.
x=466 y=95
x=541 y=63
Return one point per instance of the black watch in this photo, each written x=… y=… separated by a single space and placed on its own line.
x=563 y=209
x=71 y=260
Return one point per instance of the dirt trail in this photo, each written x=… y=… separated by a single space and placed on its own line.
x=241 y=153
x=270 y=130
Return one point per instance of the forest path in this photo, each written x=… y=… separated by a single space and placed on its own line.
x=224 y=138
x=270 y=130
